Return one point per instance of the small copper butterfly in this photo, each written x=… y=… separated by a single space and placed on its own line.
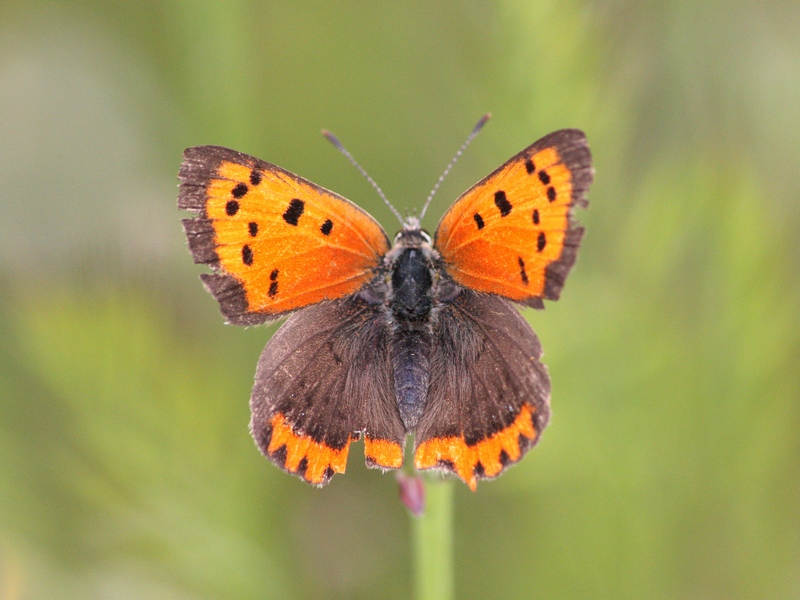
x=384 y=339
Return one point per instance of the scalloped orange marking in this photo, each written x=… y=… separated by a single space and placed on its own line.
x=318 y=456
x=465 y=458
x=383 y=453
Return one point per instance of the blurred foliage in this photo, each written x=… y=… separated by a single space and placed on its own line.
x=671 y=467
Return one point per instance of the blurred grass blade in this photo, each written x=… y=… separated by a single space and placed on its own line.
x=433 y=543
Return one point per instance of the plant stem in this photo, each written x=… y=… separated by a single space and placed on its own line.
x=433 y=543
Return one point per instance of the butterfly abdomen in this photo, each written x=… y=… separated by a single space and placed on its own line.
x=411 y=351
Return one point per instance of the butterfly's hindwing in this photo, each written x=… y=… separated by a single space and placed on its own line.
x=489 y=396
x=323 y=380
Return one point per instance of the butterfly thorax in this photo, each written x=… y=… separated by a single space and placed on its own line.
x=414 y=282
x=411 y=277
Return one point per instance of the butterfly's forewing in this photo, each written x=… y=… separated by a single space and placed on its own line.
x=324 y=379
x=512 y=233
x=278 y=242
x=489 y=396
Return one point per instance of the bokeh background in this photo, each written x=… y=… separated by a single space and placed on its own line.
x=671 y=468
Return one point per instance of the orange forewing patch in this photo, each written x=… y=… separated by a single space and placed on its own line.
x=321 y=461
x=465 y=458
x=289 y=242
x=500 y=235
x=383 y=453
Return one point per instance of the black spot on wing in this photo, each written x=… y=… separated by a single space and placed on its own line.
x=522 y=272
x=294 y=211
x=255 y=177
x=505 y=459
x=502 y=203
x=478 y=220
x=252 y=227
x=279 y=456
x=326 y=476
x=544 y=177
x=551 y=193
x=231 y=207
x=273 y=287
x=247 y=255
x=326 y=228
x=541 y=241
x=529 y=166
x=240 y=190
x=535 y=216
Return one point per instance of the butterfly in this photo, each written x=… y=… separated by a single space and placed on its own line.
x=418 y=335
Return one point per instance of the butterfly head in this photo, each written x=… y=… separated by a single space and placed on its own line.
x=412 y=234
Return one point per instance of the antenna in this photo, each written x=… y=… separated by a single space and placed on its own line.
x=338 y=145
x=478 y=126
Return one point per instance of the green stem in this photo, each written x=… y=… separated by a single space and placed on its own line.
x=433 y=543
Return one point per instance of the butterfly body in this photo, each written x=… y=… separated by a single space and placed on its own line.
x=418 y=337
x=411 y=289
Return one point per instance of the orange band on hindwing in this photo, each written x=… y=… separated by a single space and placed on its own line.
x=301 y=455
x=485 y=459
x=384 y=454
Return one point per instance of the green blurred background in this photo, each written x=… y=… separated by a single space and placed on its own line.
x=671 y=468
